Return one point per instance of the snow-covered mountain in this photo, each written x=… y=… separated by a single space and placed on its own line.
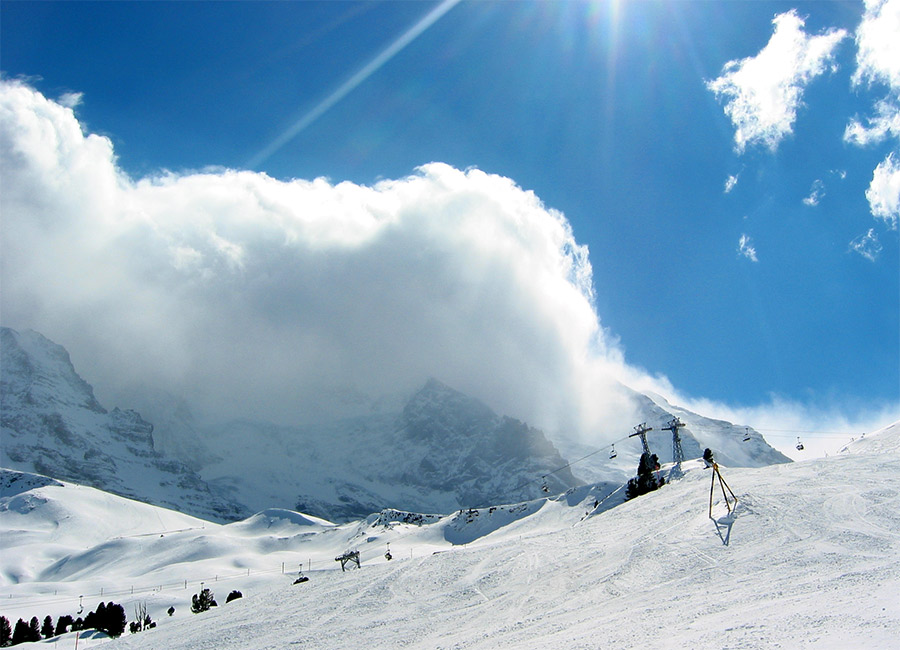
x=436 y=451
x=733 y=445
x=443 y=451
x=811 y=562
x=53 y=425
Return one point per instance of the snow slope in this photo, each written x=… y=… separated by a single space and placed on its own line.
x=812 y=562
x=699 y=432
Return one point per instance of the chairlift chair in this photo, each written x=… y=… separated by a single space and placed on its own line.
x=544 y=485
x=747 y=435
x=612 y=453
x=799 y=444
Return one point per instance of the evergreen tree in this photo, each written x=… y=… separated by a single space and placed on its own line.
x=63 y=623
x=646 y=480
x=5 y=632
x=34 y=629
x=20 y=634
x=202 y=601
x=47 y=628
x=114 y=621
x=233 y=596
x=78 y=624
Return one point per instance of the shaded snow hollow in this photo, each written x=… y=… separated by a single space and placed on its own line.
x=812 y=563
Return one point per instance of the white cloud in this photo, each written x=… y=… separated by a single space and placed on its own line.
x=878 y=45
x=70 y=100
x=823 y=428
x=730 y=182
x=255 y=297
x=250 y=296
x=878 y=62
x=884 y=191
x=883 y=125
x=762 y=93
x=867 y=245
x=816 y=192
x=747 y=249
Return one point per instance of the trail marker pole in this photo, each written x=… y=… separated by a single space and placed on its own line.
x=723 y=485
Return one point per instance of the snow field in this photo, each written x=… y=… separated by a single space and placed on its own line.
x=812 y=562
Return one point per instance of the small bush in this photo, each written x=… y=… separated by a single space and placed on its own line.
x=203 y=601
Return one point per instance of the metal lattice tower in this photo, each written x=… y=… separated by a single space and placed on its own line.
x=641 y=430
x=677 y=453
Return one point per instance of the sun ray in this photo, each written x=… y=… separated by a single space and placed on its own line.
x=353 y=82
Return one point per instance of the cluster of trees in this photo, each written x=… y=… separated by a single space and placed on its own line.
x=108 y=618
x=142 y=620
x=647 y=478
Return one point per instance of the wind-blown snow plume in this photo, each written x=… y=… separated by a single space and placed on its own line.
x=252 y=296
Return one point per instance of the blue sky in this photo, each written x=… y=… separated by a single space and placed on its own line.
x=746 y=257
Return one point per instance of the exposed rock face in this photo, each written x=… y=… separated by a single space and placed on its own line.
x=53 y=425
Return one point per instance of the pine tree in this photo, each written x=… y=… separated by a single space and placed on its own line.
x=63 y=623
x=34 y=629
x=202 y=601
x=114 y=620
x=5 y=632
x=20 y=634
x=47 y=628
x=646 y=480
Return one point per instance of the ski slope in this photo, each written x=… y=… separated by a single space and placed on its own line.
x=813 y=562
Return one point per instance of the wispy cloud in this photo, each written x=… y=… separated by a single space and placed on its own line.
x=71 y=99
x=816 y=192
x=730 y=182
x=747 y=249
x=884 y=124
x=762 y=93
x=867 y=245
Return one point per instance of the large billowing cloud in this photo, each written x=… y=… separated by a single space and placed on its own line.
x=252 y=296
x=762 y=93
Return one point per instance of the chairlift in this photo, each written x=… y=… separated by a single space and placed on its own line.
x=612 y=453
x=387 y=555
x=544 y=486
x=799 y=444
x=747 y=435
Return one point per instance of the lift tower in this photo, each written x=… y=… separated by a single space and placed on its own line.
x=677 y=454
x=641 y=430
